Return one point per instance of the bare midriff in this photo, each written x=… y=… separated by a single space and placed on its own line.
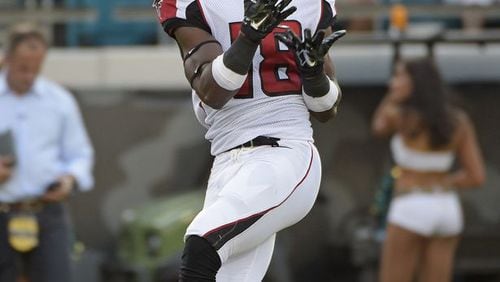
x=407 y=179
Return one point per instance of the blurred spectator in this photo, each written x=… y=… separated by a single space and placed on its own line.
x=425 y=217
x=359 y=23
x=45 y=155
x=473 y=20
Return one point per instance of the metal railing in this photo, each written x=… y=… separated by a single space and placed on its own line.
x=431 y=37
x=50 y=15
x=347 y=11
x=47 y=16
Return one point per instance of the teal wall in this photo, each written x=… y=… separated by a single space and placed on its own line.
x=107 y=30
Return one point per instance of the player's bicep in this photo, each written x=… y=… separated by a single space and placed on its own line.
x=183 y=20
x=197 y=47
x=199 y=50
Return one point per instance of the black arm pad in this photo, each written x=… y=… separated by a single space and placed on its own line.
x=198 y=57
x=239 y=56
x=316 y=86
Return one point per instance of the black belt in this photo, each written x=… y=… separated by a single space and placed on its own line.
x=26 y=206
x=259 y=141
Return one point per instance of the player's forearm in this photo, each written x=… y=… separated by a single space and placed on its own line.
x=222 y=78
x=320 y=85
x=323 y=85
x=240 y=55
x=321 y=96
x=230 y=70
x=329 y=70
x=320 y=93
x=209 y=91
x=316 y=86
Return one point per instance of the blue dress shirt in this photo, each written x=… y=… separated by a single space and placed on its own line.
x=49 y=136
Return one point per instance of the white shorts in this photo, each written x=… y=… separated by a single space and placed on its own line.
x=436 y=213
x=252 y=194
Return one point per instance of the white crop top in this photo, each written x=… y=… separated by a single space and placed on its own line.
x=409 y=158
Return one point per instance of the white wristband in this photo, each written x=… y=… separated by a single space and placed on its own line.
x=225 y=77
x=325 y=102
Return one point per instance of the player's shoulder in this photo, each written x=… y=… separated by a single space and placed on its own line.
x=330 y=4
x=173 y=14
x=169 y=9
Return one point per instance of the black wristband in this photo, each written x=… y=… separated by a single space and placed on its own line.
x=252 y=34
x=312 y=73
x=239 y=56
x=316 y=86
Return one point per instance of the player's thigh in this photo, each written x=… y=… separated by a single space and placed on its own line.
x=254 y=175
x=248 y=266
x=275 y=188
x=269 y=175
x=272 y=220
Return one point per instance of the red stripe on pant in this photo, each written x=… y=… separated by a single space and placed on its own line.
x=222 y=234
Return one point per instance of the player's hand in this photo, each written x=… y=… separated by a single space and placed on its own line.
x=262 y=16
x=310 y=53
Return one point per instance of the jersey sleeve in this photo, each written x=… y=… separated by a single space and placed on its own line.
x=328 y=14
x=173 y=14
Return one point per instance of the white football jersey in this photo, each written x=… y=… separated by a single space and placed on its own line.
x=270 y=102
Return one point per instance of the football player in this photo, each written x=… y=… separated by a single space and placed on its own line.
x=258 y=70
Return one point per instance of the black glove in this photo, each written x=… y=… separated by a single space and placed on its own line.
x=262 y=16
x=309 y=53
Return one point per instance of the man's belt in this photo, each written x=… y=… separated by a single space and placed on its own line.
x=28 y=206
x=258 y=141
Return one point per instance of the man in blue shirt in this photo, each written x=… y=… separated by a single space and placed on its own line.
x=50 y=158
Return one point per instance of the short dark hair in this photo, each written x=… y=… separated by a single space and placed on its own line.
x=22 y=32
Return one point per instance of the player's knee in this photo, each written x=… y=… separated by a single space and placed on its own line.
x=200 y=261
